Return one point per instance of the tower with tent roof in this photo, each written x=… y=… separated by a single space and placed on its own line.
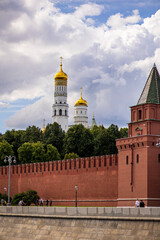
x=139 y=154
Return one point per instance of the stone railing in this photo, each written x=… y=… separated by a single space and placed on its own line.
x=111 y=212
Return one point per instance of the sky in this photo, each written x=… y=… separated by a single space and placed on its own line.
x=108 y=49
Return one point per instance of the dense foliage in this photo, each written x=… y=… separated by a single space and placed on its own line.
x=29 y=197
x=5 y=149
x=31 y=145
x=71 y=155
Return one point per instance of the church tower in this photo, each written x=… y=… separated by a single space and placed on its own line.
x=93 y=123
x=80 y=113
x=60 y=106
x=139 y=154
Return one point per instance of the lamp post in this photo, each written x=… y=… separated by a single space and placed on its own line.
x=76 y=189
x=9 y=159
x=5 y=190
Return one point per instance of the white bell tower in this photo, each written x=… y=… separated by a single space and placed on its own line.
x=80 y=112
x=60 y=106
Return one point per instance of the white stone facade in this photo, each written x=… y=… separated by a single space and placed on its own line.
x=60 y=107
x=80 y=115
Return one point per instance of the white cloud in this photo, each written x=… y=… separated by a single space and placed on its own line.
x=90 y=9
x=118 y=21
x=32 y=114
x=4 y=105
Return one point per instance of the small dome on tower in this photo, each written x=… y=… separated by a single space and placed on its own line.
x=81 y=101
x=61 y=77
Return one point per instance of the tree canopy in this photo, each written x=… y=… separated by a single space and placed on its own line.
x=54 y=135
x=5 y=149
x=79 y=139
x=31 y=145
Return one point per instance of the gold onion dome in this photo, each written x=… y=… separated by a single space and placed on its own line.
x=61 y=77
x=81 y=101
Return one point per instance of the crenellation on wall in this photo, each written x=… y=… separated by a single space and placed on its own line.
x=63 y=165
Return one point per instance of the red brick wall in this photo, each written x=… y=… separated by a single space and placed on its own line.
x=96 y=177
x=149 y=122
x=138 y=179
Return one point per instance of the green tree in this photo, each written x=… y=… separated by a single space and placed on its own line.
x=33 y=134
x=79 y=139
x=30 y=197
x=38 y=154
x=54 y=135
x=101 y=140
x=52 y=153
x=17 y=197
x=25 y=153
x=114 y=134
x=123 y=132
x=71 y=155
x=5 y=149
x=15 y=138
x=31 y=152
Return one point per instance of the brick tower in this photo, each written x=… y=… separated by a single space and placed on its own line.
x=139 y=154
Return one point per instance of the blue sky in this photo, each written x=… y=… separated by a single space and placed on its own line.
x=108 y=48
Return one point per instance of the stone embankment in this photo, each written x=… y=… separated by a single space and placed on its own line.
x=69 y=223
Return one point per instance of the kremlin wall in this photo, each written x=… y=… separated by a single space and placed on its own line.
x=56 y=180
x=115 y=180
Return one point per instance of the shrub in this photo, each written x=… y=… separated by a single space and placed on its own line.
x=28 y=197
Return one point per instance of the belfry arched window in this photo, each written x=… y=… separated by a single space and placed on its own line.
x=139 y=114
x=54 y=112
x=60 y=112
x=65 y=112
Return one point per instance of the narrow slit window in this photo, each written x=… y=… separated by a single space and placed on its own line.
x=126 y=160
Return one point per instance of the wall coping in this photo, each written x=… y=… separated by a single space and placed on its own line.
x=125 y=213
x=147 y=219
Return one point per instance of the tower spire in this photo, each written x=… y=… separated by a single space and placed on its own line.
x=151 y=90
x=61 y=63
x=81 y=92
x=43 y=126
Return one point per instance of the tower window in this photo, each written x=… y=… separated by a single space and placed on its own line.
x=54 y=112
x=60 y=102
x=60 y=112
x=65 y=112
x=158 y=158
x=137 y=158
x=126 y=160
x=81 y=112
x=139 y=114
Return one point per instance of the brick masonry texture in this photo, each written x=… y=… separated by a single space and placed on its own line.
x=96 y=177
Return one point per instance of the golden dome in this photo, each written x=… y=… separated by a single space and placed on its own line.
x=81 y=101
x=61 y=77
